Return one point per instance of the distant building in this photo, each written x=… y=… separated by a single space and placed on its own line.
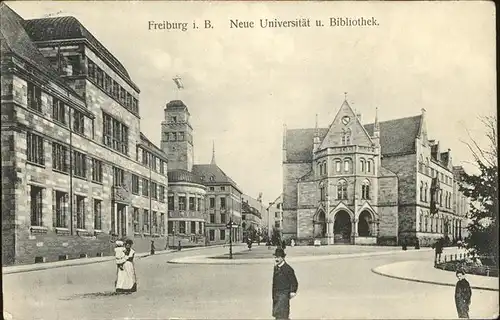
x=384 y=182
x=77 y=173
x=201 y=196
x=274 y=215
x=252 y=214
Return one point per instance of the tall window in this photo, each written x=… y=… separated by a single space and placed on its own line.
x=346 y=136
x=80 y=212
x=162 y=194
x=223 y=234
x=212 y=203
x=211 y=235
x=162 y=223
x=170 y=227
x=135 y=184
x=212 y=218
x=59 y=157
x=155 y=222
x=192 y=203
x=97 y=214
x=342 y=190
x=78 y=122
x=34 y=97
x=193 y=227
x=79 y=164
x=322 y=192
x=362 y=165
x=425 y=192
x=338 y=166
x=222 y=218
x=427 y=166
x=182 y=203
x=118 y=177
x=162 y=167
x=145 y=221
x=182 y=227
x=365 y=190
x=136 y=220
x=60 y=204
x=222 y=203
x=115 y=134
x=58 y=111
x=369 y=166
x=145 y=187
x=36 y=206
x=346 y=165
x=96 y=170
x=154 y=190
x=199 y=204
x=170 y=202
x=35 y=152
x=440 y=197
x=421 y=191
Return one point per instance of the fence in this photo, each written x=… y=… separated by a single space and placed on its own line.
x=470 y=263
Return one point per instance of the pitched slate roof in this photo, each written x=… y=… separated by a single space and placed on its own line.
x=183 y=176
x=205 y=171
x=69 y=28
x=396 y=137
x=16 y=40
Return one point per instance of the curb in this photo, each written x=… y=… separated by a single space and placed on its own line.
x=205 y=259
x=427 y=281
x=81 y=262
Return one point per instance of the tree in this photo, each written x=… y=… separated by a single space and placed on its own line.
x=275 y=236
x=482 y=189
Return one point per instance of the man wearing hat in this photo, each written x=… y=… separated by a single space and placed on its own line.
x=285 y=286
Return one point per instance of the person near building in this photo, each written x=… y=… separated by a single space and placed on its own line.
x=126 y=281
x=152 y=251
x=463 y=295
x=285 y=286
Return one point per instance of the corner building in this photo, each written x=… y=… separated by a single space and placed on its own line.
x=77 y=173
x=203 y=200
x=380 y=183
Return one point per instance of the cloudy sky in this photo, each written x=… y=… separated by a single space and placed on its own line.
x=242 y=85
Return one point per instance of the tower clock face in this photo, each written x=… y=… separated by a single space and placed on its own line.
x=345 y=120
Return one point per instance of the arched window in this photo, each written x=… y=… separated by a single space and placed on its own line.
x=362 y=165
x=421 y=191
x=369 y=166
x=346 y=136
x=365 y=190
x=425 y=192
x=338 y=165
x=426 y=224
x=346 y=165
x=319 y=169
x=324 y=167
x=440 y=197
x=322 y=192
x=342 y=190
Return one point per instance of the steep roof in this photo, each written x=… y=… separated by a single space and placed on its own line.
x=16 y=40
x=206 y=171
x=69 y=28
x=183 y=176
x=396 y=137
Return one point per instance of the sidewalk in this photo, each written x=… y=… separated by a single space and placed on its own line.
x=424 y=272
x=84 y=261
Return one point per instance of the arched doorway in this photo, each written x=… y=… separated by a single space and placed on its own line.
x=365 y=224
x=342 y=227
x=320 y=224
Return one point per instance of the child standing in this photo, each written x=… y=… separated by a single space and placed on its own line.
x=463 y=294
x=119 y=254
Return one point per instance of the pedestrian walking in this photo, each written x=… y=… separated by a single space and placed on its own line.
x=126 y=281
x=463 y=295
x=438 y=247
x=152 y=251
x=285 y=286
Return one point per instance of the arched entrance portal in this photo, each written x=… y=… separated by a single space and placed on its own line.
x=365 y=224
x=342 y=227
x=320 y=225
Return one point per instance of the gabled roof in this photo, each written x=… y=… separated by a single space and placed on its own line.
x=396 y=137
x=16 y=40
x=69 y=28
x=212 y=174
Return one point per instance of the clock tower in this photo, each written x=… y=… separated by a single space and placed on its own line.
x=177 y=136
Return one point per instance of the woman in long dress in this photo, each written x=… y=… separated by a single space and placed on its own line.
x=126 y=280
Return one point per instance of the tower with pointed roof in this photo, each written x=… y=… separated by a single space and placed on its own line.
x=177 y=136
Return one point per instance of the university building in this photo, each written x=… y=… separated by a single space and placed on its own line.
x=379 y=183
x=203 y=199
x=77 y=173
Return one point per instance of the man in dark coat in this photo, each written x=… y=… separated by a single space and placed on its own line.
x=285 y=286
x=463 y=295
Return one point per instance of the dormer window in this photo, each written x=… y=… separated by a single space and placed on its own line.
x=212 y=178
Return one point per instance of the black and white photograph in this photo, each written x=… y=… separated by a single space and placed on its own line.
x=249 y=160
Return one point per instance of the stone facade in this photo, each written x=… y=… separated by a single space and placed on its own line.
x=69 y=189
x=367 y=184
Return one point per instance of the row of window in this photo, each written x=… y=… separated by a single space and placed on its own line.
x=59 y=109
x=222 y=235
x=60 y=209
x=112 y=88
x=115 y=134
x=143 y=225
x=180 y=227
x=438 y=224
x=157 y=191
x=223 y=218
x=342 y=190
x=149 y=160
x=365 y=166
x=195 y=204
x=175 y=136
x=425 y=168
x=438 y=195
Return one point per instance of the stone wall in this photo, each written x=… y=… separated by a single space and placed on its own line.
x=291 y=173
x=388 y=207
x=305 y=223
x=405 y=167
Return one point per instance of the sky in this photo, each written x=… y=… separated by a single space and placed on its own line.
x=243 y=85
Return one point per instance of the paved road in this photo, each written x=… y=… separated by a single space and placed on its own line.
x=331 y=289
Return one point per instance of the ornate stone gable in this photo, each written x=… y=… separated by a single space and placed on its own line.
x=346 y=129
